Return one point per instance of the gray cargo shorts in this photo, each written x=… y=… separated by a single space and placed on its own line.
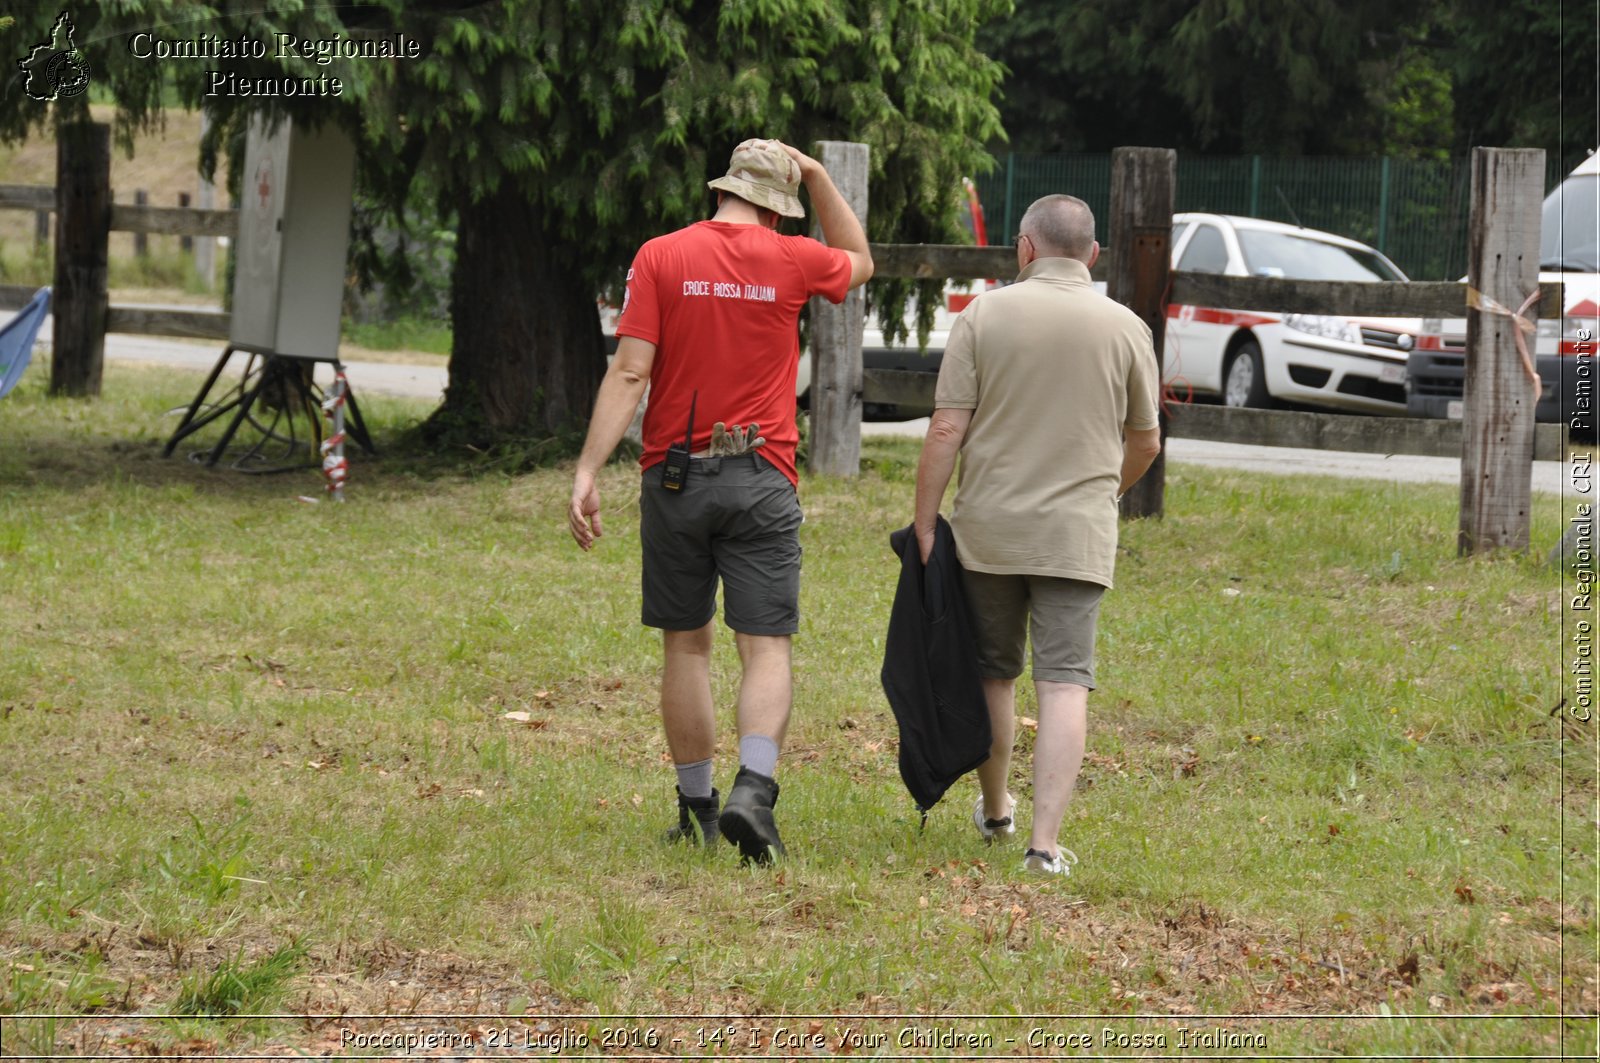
x=1059 y=615
x=737 y=519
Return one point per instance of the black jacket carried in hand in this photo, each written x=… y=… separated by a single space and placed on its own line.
x=930 y=670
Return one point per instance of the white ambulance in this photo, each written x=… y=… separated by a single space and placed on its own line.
x=1569 y=252
x=1260 y=358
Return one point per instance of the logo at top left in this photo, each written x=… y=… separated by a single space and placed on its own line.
x=56 y=69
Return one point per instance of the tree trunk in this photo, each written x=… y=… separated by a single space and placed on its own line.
x=527 y=355
x=83 y=228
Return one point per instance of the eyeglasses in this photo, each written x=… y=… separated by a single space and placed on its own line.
x=1021 y=237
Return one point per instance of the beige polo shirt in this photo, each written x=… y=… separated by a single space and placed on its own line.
x=1053 y=372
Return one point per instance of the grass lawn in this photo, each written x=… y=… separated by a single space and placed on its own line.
x=410 y=334
x=257 y=761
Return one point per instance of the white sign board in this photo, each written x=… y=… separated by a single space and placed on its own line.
x=293 y=237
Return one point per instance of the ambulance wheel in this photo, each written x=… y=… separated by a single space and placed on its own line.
x=1244 y=382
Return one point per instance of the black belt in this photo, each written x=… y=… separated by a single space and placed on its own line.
x=712 y=466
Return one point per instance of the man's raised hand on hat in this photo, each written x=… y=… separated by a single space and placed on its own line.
x=840 y=226
x=807 y=164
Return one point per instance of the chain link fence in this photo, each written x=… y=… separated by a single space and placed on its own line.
x=1413 y=210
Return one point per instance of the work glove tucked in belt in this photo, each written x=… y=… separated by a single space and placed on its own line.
x=730 y=443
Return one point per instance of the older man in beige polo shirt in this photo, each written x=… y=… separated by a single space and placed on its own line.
x=1048 y=393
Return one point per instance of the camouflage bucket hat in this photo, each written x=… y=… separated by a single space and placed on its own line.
x=762 y=173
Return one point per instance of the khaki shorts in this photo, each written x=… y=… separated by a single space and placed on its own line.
x=1059 y=614
x=736 y=520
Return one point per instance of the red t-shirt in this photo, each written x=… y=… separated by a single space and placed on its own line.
x=722 y=304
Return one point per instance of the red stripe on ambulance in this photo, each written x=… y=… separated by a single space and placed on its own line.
x=1208 y=316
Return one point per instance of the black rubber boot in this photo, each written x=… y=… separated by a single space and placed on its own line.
x=747 y=819
x=697 y=820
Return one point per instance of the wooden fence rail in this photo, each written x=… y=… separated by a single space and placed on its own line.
x=130 y=217
x=1349 y=298
x=1357 y=433
x=200 y=324
x=173 y=221
x=16 y=296
x=168 y=321
x=1273 y=294
x=926 y=261
x=27 y=197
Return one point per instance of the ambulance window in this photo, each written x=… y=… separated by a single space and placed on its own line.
x=1570 y=227
x=1206 y=253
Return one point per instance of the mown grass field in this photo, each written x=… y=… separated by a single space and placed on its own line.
x=257 y=761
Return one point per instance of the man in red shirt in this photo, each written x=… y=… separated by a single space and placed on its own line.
x=711 y=324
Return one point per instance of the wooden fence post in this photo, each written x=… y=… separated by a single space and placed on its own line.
x=836 y=336
x=1143 y=184
x=141 y=240
x=1498 y=408
x=185 y=243
x=83 y=227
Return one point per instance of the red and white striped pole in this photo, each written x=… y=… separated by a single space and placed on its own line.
x=334 y=466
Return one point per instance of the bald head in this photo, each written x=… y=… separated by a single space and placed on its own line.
x=1060 y=227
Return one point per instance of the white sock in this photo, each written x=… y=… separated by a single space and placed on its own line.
x=758 y=753
x=694 y=780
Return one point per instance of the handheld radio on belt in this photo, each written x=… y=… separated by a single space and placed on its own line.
x=675 y=470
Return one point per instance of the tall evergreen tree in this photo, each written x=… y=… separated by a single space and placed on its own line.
x=1223 y=76
x=1524 y=73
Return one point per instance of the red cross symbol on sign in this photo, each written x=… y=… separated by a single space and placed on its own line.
x=264 y=183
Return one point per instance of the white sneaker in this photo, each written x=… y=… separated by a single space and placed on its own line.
x=1044 y=864
x=993 y=828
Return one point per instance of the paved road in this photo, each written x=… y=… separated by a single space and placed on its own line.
x=379 y=378
x=428 y=382
x=1396 y=468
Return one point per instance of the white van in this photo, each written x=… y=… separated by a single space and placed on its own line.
x=1569 y=252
